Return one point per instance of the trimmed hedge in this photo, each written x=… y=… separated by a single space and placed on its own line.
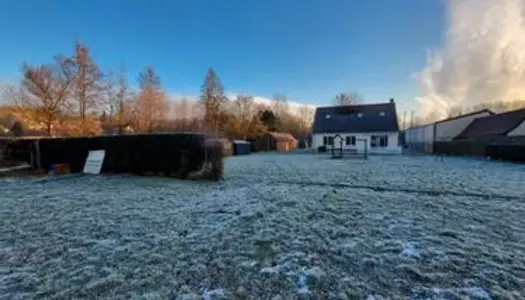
x=503 y=148
x=15 y=149
x=460 y=148
x=515 y=153
x=175 y=155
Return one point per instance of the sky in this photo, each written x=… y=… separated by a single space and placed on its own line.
x=309 y=50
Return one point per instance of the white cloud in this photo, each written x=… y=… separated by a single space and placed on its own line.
x=482 y=59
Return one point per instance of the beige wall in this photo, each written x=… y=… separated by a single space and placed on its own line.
x=448 y=130
x=518 y=131
x=420 y=135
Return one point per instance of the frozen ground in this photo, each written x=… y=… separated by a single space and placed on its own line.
x=280 y=227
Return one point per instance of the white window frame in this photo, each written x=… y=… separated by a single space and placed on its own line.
x=379 y=141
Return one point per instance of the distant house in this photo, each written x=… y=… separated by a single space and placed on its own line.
x=373 y=125
x=276 y=141
x=422 y=138
x=508 y=124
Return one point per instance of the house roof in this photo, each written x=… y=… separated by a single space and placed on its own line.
x=466 y=115
x=380 y=117
x=282 y=136
x=493 y=125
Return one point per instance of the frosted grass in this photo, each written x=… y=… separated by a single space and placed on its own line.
x=279 y=227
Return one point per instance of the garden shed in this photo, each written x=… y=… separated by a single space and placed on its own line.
x=277 y=141
x=241 y=147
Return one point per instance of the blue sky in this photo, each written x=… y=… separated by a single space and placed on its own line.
x=307 y=49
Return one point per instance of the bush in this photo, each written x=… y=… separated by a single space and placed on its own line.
x=213 y=167
x=17 y=129
x=179 y=155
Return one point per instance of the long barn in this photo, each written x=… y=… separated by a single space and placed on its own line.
x=422 y=138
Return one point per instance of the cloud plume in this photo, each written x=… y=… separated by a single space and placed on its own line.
x=482 y=60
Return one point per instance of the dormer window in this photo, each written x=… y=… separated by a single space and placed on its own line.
x=382 y=114
x=327 y=116
x=359 y=115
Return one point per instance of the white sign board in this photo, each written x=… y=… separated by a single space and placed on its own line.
x=94 y=162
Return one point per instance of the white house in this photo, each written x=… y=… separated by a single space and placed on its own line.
x=373 y=126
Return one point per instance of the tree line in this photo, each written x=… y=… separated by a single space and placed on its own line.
x=72 y=96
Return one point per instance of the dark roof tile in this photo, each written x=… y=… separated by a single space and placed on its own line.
x=495 y=125
x=381 y=117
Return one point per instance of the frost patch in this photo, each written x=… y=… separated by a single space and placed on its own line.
x=213 y=294
x=303 y=285
x=410 y=250
x=249 y=264
x=374 y=297
x=309 y=275
x=477 y=293
x=349 y=245
x=271 y=270
x=190 y=296
x=377 y=217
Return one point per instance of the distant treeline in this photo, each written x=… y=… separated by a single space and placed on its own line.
x=72 y=96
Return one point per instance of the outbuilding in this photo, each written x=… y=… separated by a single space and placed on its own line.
x=241 y=147
x=420 y=138
x=498 y=127
x=277 y=141
x=424 y=138
x=448 y=129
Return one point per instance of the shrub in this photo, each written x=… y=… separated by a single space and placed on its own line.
x=17 y=129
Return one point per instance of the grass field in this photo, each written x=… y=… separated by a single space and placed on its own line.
x=289 y=226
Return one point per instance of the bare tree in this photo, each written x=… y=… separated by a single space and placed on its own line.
x=243 y=112
x=87 y=88
x=306 y=115
x=9 y=95
x=152 y=106
x=344 y=99
x=279 y=105
x=243 y=107
x=109 y=98
x=213 y=99
x=46 y=89
x=122 y=99
x=185 y=114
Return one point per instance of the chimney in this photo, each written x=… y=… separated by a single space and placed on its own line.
x=391 y=100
